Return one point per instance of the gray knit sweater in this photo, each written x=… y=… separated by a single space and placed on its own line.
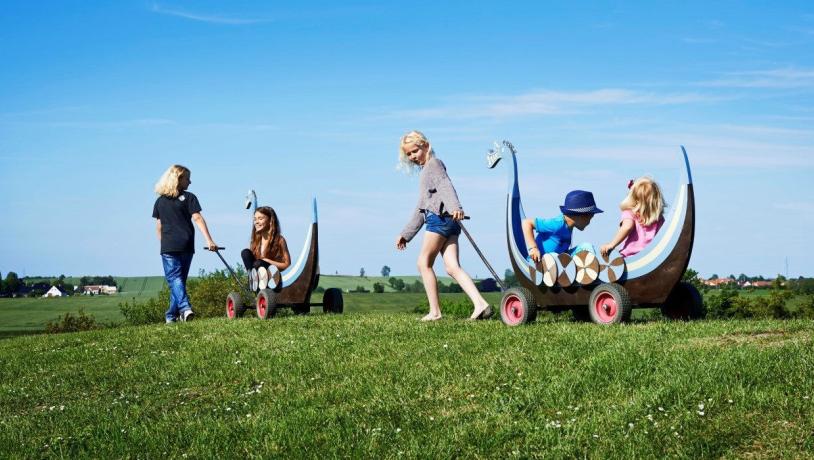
x=435 y=194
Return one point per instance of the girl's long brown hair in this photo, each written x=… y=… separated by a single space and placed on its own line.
x=274 y=234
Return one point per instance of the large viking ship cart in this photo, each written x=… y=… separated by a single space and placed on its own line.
x=290 y=288
x=604 y=290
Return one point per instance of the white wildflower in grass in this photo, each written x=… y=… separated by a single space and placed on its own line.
x=701 y=413
x=445 y=346
x=630 y=425
x=596 y=436
x=432 y=419
x=729 y=401
x=398 y=430
x=661 y=409
x=701 y=406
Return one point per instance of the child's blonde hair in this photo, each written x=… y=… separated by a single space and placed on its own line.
x=167 y=185
x=413 y=137
x=645 y=200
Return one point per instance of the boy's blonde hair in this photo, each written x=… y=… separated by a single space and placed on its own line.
x=167 y=185
x=413 y=137
x=645 y=200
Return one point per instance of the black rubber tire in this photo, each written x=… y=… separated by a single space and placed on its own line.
x=332 y=301
x=684 y=303
x=266 y=305
x=234 y=306
x=518 y=307
x=610 y=304
x=581 y=314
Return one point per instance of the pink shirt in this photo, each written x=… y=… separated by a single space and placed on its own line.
x=640 y=236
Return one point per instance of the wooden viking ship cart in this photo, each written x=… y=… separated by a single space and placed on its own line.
x=290 y=288
x=604 y=290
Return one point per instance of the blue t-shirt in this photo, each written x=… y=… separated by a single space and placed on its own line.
x=553 y=235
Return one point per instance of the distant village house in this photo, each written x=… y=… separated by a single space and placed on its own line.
x=97 y=289
x=718 y=282
x=54 y=292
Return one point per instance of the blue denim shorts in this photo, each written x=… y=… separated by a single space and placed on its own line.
x=444 y=226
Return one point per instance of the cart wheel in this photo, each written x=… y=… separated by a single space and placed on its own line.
x=518 y=307
x=234 y=306
x=684 y=302
x=610 y=304
x=301 y=309
x=266 y=303
x=332 y=301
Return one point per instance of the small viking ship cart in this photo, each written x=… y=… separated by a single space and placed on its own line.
x=290 y=288
x=604 y=290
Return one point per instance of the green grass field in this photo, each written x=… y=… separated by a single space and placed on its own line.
x=29 y=315
x=386 y=386
x=351 y=282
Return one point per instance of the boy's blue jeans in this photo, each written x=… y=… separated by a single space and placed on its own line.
x=176 y=269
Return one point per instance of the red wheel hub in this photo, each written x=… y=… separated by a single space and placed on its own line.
x=261 y=307
x=605 y=307
x=513 y=309
x=230 y=308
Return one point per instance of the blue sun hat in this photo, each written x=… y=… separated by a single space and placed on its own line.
x=579 y=202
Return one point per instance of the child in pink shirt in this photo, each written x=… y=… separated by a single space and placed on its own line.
x=642 y=217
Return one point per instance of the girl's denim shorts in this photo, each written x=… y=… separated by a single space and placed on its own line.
x=444 y=226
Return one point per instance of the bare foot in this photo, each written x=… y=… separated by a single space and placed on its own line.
x=479 y=311
x=431 y=317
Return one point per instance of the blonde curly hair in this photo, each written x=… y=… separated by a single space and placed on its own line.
x=645 y=200
x=167 y=185
x=413 y=137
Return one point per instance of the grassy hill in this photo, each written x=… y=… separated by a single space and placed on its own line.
x=29 y=315
x=138 y=286
x=385 y=385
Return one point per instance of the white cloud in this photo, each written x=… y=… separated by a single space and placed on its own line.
x=138 y=122
x=787 y=77
x=213 y=19
x=545 y=102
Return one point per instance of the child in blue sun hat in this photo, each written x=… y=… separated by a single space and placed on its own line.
x=554 y=235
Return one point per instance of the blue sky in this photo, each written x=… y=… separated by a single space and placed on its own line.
x=309 y=99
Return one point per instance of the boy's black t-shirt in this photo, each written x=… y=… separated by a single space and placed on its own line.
x=175 y=214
